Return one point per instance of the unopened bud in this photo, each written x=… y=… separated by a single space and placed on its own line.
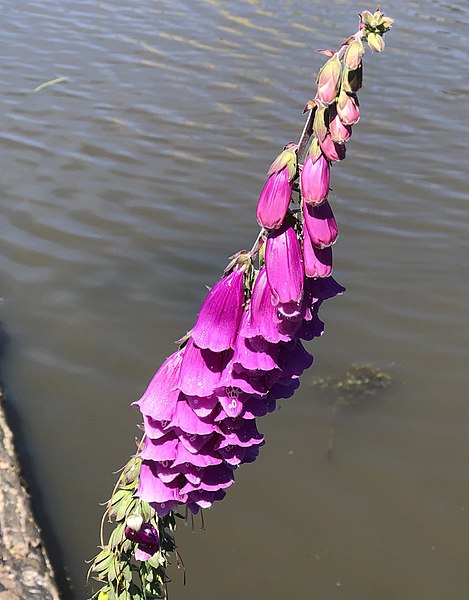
x=347 y=108
x=329 y=80
x=135 y=522
x=375 y=42
x=353 y=54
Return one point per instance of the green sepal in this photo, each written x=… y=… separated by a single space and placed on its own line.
x=352 y=80
x=319 y=124
x=287 y=158
x=314 y=150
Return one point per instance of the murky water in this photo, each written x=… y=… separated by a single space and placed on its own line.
x=124 y=189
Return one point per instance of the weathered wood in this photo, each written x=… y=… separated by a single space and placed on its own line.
x=25 y=570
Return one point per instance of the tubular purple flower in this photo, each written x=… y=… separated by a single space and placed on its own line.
x=318 y=263
x=315 y=180
x=284 y=265
x=218 y=320
x=274 y=200
x=347 y=108
x=321 y=224
x=261 y=320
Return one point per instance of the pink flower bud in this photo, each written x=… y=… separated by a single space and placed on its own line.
x=320 y=224
x=347 y=108
x=274 y=200
x=332 y=150
x=318 y=263
x=329 y=80
x=315 y=179
x=340 y=133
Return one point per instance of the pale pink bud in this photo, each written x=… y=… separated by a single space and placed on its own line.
x=320 y=224
x=354 y=53
x=329 y=80
x=347 y=108
x=340 y=133
x=315 y=179
x=375 y=42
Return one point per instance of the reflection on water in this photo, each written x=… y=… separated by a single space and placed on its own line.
x=124 y=189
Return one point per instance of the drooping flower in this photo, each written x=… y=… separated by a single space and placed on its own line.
x=218 y=320
x=321 y=224
x=201 y=370
x=315 y=179
x=284 y=265
x=144 y=534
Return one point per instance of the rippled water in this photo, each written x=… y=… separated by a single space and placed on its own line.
x=124 y=189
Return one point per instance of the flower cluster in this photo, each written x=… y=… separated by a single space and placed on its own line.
x=245 y=351
x=243 y=354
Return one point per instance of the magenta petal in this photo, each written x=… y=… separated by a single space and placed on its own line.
x=155 y=429
x=326 y=288
x=186 y=419
x=230 y=401
x=321 y=224
x=315 y=180
x=152 y=489
x=159 y=400
x=253 y=359
x=163 y=449
x=216 y=478
x=244 y=435
x=198 y=459
x=274 y=200
x=200 y=371
x=318 y=263
x=193 y=443
x=261 y=320
x=284 y=265
x=250 y=382
x=311 y=329
x=201 y=405
x=218 y=320
x=294 y=359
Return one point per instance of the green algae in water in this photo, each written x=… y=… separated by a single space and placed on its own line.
x=360 y=383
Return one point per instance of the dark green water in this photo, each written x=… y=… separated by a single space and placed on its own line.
x=124 y=189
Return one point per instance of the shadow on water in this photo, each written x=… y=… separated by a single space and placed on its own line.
x=40 y=512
